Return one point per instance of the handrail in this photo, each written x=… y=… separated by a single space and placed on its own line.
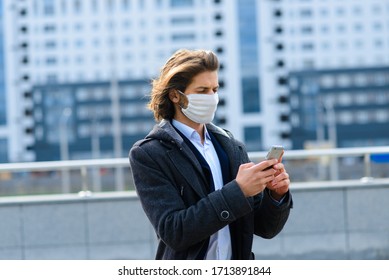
x=336 y=152
x=118 y=163
x=124 y=162
x=66 y=164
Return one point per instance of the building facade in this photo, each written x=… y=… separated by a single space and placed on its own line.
x=70 y=46
x=316 y=35
x=78 y=45
x=76 y=120
x=340 y=107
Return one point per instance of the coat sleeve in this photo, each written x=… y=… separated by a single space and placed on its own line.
x=177 y=224
x=269 y=217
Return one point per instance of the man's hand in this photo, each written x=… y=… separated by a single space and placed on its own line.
x=279 y=186
x=254 y=178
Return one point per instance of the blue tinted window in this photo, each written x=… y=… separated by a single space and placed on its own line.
x=181 y=3
x=253 y=138
x=248 y=44
x=3 y=150
x=250 y=88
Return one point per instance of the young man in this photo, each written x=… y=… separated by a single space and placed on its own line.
x=203 y=196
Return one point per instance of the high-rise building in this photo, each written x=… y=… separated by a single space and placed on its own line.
x=340 y=107
x=313 y=37
x=80 y=71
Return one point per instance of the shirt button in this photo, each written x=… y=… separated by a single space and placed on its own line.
x=225 y=214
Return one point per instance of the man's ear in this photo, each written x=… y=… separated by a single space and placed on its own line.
x=174 y=96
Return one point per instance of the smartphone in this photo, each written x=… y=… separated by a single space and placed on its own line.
x=275 y=152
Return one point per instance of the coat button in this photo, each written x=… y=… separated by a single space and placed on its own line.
x=225 y=214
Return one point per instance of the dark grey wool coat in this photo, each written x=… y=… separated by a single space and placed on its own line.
x=173 y=192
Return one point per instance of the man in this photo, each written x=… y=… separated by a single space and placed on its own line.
x=202 y=195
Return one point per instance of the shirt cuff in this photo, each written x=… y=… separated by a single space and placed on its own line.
x=276 y=202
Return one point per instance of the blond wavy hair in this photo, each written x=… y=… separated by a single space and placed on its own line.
x=177 y=74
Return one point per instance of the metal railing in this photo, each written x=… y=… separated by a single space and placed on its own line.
x=333 y=155
x=297 y=161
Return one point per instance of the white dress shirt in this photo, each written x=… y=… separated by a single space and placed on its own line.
x=220 y=242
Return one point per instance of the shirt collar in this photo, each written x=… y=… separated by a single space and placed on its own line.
x=189 y=132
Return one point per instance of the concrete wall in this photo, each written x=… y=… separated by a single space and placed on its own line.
x=327 y=222
x=334 y=222
x=104 y=226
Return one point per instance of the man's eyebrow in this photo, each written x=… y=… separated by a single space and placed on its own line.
x=205 y=87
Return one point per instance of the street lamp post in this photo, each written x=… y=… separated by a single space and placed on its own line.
x=325 y=115
x=332 y=134
x=116 y=122
x=64 y=147
x=95 y=143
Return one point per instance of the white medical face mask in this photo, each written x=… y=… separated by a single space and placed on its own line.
x=201 y=107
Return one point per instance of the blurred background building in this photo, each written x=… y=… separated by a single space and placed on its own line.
x=76 y=74
x=327 y=63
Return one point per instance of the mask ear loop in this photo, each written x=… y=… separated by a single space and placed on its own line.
x=183 y=103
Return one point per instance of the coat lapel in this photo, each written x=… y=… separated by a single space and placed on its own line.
x=230 y=149
x=184 y=166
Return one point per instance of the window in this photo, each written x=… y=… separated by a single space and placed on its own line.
x=3 y=150
x=218 y=33
x=361 y=116
x=48 y=7
x=79 y=43
x=183 y=37
x=327 y=81
x=345 y=117
x=182 y=20
x=306 y=13
x=218 y=17
x=306 y=29
x=95 y=6
x=77 y=6
x=219 y=50
x=279 y=47
x=345 y=99
x=360 y=79
x=51 y=61
x=50 y=44
x=358 y=27
x=181 y=3
x=382 y=116
x=125 y=4
x=361 y=98
x=250 y=97
x=277 y=13
x=344 y=80
x=49 y=28
x=84 y=130
x=253 y=138
x=307 y=46
x=278 y=30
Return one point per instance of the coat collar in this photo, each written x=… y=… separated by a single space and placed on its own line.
x=165 y=132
